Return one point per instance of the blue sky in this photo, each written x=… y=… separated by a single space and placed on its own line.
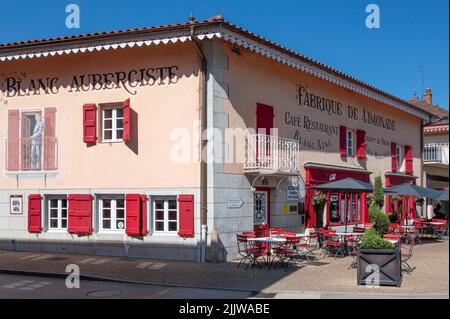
x=412 y=33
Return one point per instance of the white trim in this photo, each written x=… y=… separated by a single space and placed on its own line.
x=166 y=231
x=113 y=214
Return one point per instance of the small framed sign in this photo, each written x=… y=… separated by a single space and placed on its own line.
x=16 y=205
x=234 y=202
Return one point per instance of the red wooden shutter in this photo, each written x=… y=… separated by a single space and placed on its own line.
x=34 y=213
x=264 y=118
x=393 y=157
x=133 y=214
x=361 y=144
x=89 y=123
x=144 y=227
x=12 y=146
x=126 y=121
x=80 y=214
x=50 y=160
x=409 y=159
x=186 y=215
x=343 y=141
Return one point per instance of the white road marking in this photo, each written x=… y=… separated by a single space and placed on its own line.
x=157 y=266
x=26 y=285
x=42 y=257
x=87 y=260
x=99 y=262
x=30 y=256
x=144 y=264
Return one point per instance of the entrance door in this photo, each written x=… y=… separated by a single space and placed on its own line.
x=261 y=209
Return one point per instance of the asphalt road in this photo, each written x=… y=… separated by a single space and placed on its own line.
x=30 y=287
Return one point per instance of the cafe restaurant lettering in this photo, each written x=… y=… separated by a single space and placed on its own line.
x=87 y=126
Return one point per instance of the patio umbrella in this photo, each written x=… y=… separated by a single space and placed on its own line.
x=407 y=189
x=346 y=185
x=443 y=197
x=349 y=185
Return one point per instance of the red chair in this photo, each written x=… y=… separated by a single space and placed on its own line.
x=249 y=252
x=307 y=245
x=333 y=245
x=288 y=251
x=276 y=231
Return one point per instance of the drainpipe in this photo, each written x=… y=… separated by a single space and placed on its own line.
x=203 y=126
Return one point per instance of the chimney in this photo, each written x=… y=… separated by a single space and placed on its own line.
x=428 y=97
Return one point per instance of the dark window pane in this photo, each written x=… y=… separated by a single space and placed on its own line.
x=159 y=215
x=107 y=224
x=64 y=223
x=108 y=135
x=53 y=213
x=108 y=113
x=119 y=123
x=159 y=204
x=106 y=213
x=108 y=124
x=120 y=213
x=119 y=112
x=120 y=203
x=53 y=203
x=53 y=223
x=172 y=215
x=172 y=204
x=172 y=226
x=64 y=203
x=107 y=203
x=159 y=226
x=64 y=212
x=119 y=134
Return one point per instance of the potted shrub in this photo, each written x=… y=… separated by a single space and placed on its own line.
x=379 y=261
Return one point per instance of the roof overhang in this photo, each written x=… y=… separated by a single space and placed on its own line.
x=208 y=29
x=336 y=167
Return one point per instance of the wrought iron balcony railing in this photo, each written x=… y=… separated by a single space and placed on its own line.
x=271 y=154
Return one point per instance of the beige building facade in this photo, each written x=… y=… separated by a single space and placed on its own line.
x=104 y=147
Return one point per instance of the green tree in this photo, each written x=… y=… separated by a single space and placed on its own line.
x=378 y=194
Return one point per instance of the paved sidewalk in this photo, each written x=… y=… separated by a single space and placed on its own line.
x=324 y=277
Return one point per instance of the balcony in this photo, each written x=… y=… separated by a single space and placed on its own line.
x=436 y=155
x=31 y=154
x=266 y=154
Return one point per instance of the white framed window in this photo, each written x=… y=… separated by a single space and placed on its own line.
x=400 y=157
x=112 y=213
x=112 y=124
x=57 y=213
x=350 y=143
x=165 y=215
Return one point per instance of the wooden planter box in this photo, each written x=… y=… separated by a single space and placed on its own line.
x=387 y=261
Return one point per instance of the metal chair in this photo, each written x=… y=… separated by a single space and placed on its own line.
x=288 y=251
x=248 y=251
x=407 y=249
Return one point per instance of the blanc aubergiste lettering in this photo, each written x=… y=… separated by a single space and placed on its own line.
x=333 y=108
x=94 y=81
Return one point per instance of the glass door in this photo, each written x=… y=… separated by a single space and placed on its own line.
x=260 y=213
